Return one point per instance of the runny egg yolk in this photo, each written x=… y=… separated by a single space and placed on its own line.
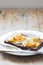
x=18 y=38
x=36 y=39
x=34 y=44
x=28 y=44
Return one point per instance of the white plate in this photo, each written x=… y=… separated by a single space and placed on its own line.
x=17 y=51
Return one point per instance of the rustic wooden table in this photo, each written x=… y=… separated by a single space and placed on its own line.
x=20 y=19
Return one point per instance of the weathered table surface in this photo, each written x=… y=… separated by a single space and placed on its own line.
x=21 y=19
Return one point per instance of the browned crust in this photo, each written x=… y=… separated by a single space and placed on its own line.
x=25 y=48
x=22 y=47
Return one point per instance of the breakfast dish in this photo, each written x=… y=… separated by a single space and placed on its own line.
x=24 y=41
